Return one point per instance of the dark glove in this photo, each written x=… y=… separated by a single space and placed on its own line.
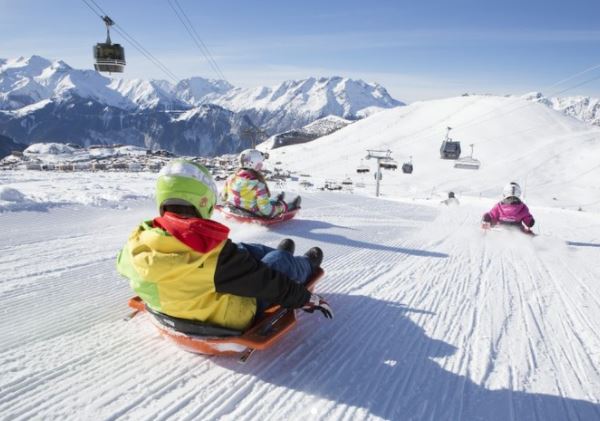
x=281 y=196
x=317 y=302
x=531 y=223
x=487 y=218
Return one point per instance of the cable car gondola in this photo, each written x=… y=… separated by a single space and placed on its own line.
x=109 y=57
x=407 y=167
x=468 y=163
x=450 y=149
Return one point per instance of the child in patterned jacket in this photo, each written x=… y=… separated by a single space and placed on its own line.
x=247 y=189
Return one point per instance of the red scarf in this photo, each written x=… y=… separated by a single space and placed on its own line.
x=201 y=235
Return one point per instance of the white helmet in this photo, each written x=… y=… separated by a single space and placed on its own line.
x=511 y=189
x=252 y=159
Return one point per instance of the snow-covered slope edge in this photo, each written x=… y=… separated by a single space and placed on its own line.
x=583 y=108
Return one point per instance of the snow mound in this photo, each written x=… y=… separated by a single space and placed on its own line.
x=8 y=194
x=13 y=200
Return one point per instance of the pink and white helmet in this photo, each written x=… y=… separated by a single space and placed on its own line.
x=512 y=189
x=252 y=159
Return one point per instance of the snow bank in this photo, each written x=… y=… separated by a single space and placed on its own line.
x=34 y=190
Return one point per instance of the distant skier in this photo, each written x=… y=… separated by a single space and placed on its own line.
x=510 y=210
x=247 y=189
x=183 y=264
x=451 y=200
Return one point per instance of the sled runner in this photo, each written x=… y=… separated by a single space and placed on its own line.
x=486 y=226
x=241 y=215
x=204 y=338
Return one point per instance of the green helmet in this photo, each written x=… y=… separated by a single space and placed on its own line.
x=182 y=182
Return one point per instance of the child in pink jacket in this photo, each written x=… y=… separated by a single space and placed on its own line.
x=510 y=210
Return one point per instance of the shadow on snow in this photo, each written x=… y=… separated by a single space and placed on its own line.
x=306 y=228
x=372 y=356
x=579 y=244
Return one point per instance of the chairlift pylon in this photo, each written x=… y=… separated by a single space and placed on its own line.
x=109 y=57
x=450 y=149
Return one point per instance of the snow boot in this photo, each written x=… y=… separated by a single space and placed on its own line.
x=287 y=244
x=315 y=257
x=295 y=203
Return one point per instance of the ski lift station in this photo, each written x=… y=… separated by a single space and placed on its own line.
x=109 y=57
x=450 y=149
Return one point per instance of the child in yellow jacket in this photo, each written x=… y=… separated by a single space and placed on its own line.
x=183 y=264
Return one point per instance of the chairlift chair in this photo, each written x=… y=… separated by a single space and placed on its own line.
x=450 y=149
x=109 y=57
x=388 y=164
x=468 y=163
x=362 y=168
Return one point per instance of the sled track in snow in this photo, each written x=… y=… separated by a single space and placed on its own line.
x=433 y=320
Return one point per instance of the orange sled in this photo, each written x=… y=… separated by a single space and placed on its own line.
x=272 y=326
x=240 y=215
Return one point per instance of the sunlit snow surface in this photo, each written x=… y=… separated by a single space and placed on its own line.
x=434 y=319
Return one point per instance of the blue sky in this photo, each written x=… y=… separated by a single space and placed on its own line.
x=417 y=50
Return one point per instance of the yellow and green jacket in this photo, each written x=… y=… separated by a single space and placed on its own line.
x=188 y=268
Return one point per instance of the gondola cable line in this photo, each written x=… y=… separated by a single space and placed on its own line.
x=189 y=27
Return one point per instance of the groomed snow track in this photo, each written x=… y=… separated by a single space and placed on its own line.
x=434 y=320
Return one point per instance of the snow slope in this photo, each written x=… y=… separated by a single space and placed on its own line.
x=552 y=156
x=433 y=320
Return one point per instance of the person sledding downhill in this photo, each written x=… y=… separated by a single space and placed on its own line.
x=246 y=190
x=183 y=265
x=510 y=210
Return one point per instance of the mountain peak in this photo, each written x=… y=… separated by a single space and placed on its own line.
x=33 y=65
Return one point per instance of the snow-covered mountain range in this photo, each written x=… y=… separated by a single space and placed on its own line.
x=44 y=100
x=583 y=108
x=294 y=104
